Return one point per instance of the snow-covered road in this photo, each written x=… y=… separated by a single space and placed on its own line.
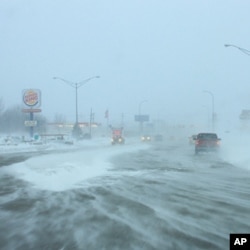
x=134 y=196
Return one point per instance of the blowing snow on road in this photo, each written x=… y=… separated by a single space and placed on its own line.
x=134 y=196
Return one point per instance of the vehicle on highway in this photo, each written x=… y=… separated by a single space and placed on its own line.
x=117 y=137
x=146 y=138
x=117 y=140
x=207 y=142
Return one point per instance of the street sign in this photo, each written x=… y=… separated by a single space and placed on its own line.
x=141 y=118
x=32 y=98
x=30 y=123
x=31 y=110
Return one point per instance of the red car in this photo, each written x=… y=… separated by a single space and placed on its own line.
x=207 y=142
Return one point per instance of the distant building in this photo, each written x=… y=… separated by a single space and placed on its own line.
x=245 y=114
x=66 y=128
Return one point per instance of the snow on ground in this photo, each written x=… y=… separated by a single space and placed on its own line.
x=235 y=148
x=73 y=165
x=69 y=165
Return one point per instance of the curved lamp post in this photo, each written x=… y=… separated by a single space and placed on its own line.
x=213 y=115
x=76 y=86
x=245 y=51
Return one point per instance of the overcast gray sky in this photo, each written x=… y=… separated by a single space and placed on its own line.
x=165 y=52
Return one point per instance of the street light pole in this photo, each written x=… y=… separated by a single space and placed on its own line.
x=245 y=51
x=76 y=86
x=207 y=115
x=139 y=111
x=211 y=94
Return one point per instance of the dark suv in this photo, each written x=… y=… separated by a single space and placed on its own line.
x=207 y=142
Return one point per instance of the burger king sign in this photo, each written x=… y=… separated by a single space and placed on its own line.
x=32 y=98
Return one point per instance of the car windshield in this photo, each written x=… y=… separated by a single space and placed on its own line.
x=207 y=136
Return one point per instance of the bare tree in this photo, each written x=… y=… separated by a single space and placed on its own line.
x=12 y=120
x=59 y=118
